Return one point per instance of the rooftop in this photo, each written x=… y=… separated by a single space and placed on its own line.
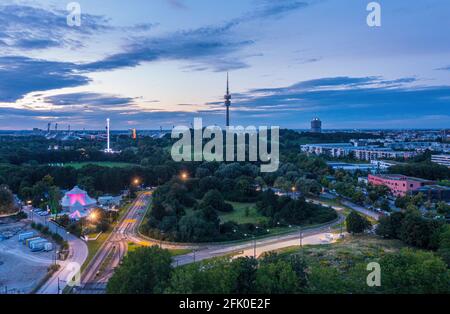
x=401 y=177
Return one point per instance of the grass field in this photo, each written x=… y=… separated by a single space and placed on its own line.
x=174 y=252
x=356 y=248
x=79 y=165
x=243 y=213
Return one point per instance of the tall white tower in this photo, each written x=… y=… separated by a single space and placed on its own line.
x=108 y=147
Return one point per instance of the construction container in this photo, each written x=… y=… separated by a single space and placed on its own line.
x=27 y=241
x=26 y=235
x=40 y=240
x=48 y=247
x=38 y=245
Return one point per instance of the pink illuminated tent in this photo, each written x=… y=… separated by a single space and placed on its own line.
x=77 y=203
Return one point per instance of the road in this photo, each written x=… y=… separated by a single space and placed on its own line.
x=317 y=235
x=78 y=253
x=110 y=254
x=361 y=209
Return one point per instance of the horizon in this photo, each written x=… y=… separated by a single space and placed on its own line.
x=166 y=62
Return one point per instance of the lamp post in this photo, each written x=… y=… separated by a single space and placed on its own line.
x=254 y=247
x=301 y=238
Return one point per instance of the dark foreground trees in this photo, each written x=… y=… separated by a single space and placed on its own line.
x=357 y=223
x=149 y=271
x=145 y=271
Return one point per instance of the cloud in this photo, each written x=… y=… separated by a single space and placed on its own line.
x=210 y=47
x=444 y=68
x=346 y=99
x=26 y=27
x=178 y=4
x=88 y=100
x=21 y=75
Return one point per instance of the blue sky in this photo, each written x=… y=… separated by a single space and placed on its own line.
x=147 y=64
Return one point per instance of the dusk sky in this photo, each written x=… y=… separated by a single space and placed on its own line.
x=152 y=63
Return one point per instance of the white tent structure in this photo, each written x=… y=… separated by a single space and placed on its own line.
x=77 y=203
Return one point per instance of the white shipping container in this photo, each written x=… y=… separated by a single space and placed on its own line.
x=26 y=235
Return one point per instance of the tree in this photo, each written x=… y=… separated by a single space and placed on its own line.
x=444 y=245
x=411 y=271
x=390 y=226
x=214 y=199
x=143 y=271
x=443 y=209
x=276 y=278
x=357 y=223
x=6 y=200
x=244 y=272
x=418 y=231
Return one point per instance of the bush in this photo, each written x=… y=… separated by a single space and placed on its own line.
x=357 y=223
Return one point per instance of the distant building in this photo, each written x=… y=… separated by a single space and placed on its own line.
x=333 y=150
x=443 y=160
x=353 y=167
x=399 y=185
x=382 y=153
x=434 y=193
x=384 y=165
x=369 y=153
x=109 y=200
x=77 y=203
x=316 y=126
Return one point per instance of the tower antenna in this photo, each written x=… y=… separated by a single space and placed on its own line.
x=227 y=98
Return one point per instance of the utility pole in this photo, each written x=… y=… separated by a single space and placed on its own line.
x=254 y=247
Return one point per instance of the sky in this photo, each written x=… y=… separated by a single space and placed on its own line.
x=148 y=64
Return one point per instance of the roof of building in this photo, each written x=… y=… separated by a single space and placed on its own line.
x=400 y=177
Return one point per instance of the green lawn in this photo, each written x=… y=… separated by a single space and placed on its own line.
x=243 y=213
x=359 y=247
x=79 y=165
x=174 y=252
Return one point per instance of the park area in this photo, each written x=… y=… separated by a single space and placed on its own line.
x=243 y=213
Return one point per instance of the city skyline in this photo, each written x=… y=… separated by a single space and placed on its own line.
x=165 y=62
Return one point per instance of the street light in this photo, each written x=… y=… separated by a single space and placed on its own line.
x=93 y=216
x=184 y=176
x=136 y=181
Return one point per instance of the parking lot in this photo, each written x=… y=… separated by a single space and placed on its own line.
x=20 y=269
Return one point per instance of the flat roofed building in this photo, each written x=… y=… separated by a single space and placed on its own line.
x=399 y=185
x=443 y=160
x=434 y=193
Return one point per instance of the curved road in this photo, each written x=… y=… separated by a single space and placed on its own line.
x=109 y=256
x=78 y=253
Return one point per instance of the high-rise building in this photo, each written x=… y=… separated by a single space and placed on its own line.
x=227 y=98
x=316 y=125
